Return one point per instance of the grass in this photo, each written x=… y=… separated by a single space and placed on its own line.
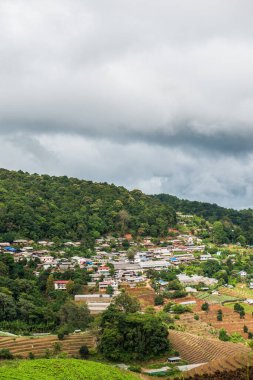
x=205 y=296
x=247 y=308
x=61 y=369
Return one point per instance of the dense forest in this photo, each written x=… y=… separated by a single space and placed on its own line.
x=41 y=206
x=243 y=219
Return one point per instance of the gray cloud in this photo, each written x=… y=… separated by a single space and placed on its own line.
x=156 y=95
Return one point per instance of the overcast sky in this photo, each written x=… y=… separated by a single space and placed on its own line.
x=156 y=95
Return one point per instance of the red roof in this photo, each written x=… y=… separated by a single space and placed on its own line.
x=61 y=282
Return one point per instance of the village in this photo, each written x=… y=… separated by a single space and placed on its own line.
x=121 y=263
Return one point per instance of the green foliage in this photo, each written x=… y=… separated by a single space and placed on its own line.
x=39 y=207
x=75 y=316
x=205 y=306
x=58 y=369
x=134 y=368
x=219 y=315
x=126 y=303
x=159 y=300
x=223 y=335
x=234 y=223
x=5 y=354
x=84 y=351
x=132 y=336
x=180 y=309
x=31 y=356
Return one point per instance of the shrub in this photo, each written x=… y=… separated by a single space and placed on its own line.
x=84 y=351
x=196 y=317
x=134 y=368
x=56 y=348
x=61 y=335
x=205 y=306
x=180 y=309
x=223 y=335
x=159 y=300
x=5 y=354
x=219 y=315
x=47 y=354
x=245 y=329
x=31 y=356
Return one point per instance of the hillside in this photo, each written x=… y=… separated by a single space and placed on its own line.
x=61 y=369
x=236 y=222
x=40 y=207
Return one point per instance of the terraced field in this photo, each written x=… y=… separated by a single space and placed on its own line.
x=196 y=349
x=228 y=364
x=61 y=369
x=38 y=346
x=240 y=291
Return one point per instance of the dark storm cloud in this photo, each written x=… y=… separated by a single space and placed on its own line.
x=156 y=95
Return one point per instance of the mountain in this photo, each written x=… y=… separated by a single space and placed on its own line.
x=238 y=222
x=44 y=207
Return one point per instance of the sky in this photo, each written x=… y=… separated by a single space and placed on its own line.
x=155 y=95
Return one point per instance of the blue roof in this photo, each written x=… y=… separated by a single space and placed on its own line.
x=10 y=249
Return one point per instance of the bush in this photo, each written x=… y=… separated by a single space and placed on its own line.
x=159 y=300
x=134 y=368
x=245 y=329
x=223 y=335
x=31 y=356
x=56 y=348
x=180 y=309
x=84 y=351
x=61 y=335
x=5 y=354
x=205 y=306
x=219 y=315
x=196 y=317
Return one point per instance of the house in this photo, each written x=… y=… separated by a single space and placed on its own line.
x=242 y=274
x=105 y=271
x=205 y=257
x=60 y=285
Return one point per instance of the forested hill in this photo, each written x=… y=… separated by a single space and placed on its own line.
x=212 y=213
x=40 y=206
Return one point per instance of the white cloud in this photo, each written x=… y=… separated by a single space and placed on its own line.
x=156 y=95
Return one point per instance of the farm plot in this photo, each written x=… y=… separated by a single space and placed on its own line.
x=215 y=298
x=196 y=349
x=145 y=295
x=38 y=346
x=222 y=365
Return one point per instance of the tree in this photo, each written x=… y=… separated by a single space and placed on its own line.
x=84 y=351
x=219 y=315
x=205 y=307
x=75 y=316
x=159 y=300
x=131 y=254
x=7 y=307
x=133 y=337
x=109 y=290
x=219 y=235
x=223 y=335
x=126 y=303
x=50 y=284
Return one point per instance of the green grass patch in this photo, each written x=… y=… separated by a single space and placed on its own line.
x=61 y=369
x=213 y=298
